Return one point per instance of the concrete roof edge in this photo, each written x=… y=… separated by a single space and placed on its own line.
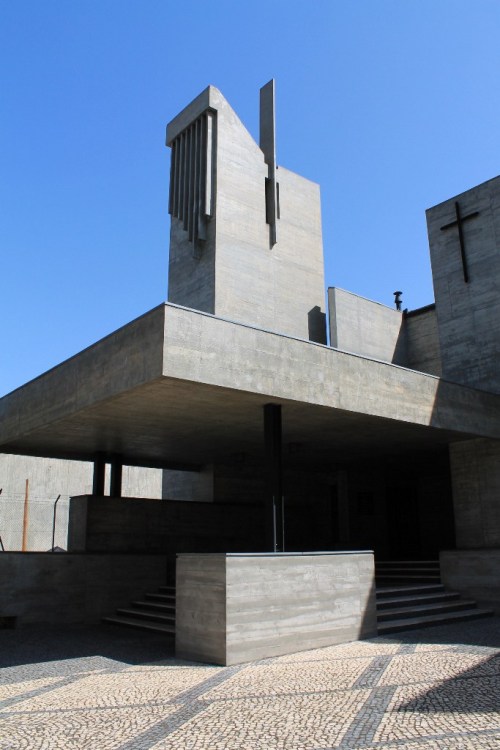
x=210 y=98
x=240 y=324
x=161 y=306
x=464 y=192
x=367 y=299
x=281 y=168
x=392 y=365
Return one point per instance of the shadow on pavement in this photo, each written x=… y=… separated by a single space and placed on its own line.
x=476 y=633
x=475 y=690
x=38 y=645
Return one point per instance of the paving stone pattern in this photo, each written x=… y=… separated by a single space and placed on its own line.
x=107 y=689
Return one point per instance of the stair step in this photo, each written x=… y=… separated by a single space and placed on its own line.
x=395 y=626
x=155 y=607
x=415 y=599
x=167 y=590
x=424 y=609
x=145 y=615
x=141 y=624
x=166 y=598
x=407 y=571
x=434 y=563
x=385 y=591
x=418 y=578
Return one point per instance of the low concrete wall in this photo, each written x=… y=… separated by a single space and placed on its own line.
x=108 y=524
x=475 y=573
x=237 y=608
x=40 y=587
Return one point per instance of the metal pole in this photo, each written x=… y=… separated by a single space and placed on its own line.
x=54 y=523
x=273 y=438
x=25 y=518
x=283 y=523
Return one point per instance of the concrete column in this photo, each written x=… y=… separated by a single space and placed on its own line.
x=115 y=489
x=99 y=474
x=344 y=535
x=275 y=528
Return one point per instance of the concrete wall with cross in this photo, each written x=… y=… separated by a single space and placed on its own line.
x=464 y=238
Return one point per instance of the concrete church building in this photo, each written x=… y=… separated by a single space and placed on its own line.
x=285 y=460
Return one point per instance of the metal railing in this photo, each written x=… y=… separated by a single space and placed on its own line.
x=44 y=526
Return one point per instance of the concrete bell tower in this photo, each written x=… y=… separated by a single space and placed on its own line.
x=245 y=238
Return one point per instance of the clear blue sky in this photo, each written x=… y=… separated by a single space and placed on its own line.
x=391 y=105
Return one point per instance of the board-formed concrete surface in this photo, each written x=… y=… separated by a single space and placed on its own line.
x=39 y=587
x=475 y=471
x=435 y=689
x=234 y=272
x=233 y=608
x=181 y=385
x=466 y=290
x=473 y=572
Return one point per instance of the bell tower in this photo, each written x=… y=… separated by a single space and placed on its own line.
x=245 y=238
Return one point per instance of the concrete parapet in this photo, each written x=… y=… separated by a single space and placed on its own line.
x=237 y=608
x=107 y=524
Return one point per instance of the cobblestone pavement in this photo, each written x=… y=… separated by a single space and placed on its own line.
x=111 y=689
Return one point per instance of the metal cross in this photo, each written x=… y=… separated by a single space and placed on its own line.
x=458 y=223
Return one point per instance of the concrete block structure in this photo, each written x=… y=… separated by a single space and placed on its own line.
x=247 y=431
x=233 y=608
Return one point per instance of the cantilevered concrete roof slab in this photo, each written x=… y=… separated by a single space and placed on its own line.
x=177 y=386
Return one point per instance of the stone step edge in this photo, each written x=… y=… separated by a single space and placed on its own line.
x=140 y=624
x=406 y=562
x=143 y=615
x=160 y=597
x=401 y=575
x=389 y=602
x=425 y=588
x=407 y=571
x=406 y=577
x=153 y=604
x=395 y=626
x=444 y=608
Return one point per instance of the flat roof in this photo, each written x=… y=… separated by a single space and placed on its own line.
x=181 y=386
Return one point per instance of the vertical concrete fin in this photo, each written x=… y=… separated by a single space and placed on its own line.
x=268 y=123
x=267 y=142
x=192 y=175
x=209 y=136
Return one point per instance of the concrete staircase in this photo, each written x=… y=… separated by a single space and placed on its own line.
x=406 y=572
x=410 y=595
x=155 y=611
